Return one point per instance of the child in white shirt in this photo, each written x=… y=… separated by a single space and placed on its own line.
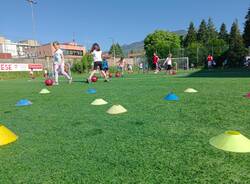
x=168 y=61
x=97 y=56
x=59 y=63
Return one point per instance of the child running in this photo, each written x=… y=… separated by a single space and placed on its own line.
x=97 y=56
x=32 y=74
x=141 y=67
x=168 y=61
x=45 y=73
x=59 y=63
x=210 y=61
x=121 y=65
x=155 y=62
x=130 y=68
x=105 y=66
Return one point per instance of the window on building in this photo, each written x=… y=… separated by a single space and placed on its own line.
x=72 y=52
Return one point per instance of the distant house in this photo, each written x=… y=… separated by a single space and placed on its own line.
x=70 y=50
x=16 y=49
x=136 y=54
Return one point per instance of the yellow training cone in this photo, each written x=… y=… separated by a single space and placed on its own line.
x=44 y=91
x=99 y=102
x=231 y=141
x=190 y=90
x=6 y=136
x=116 y=109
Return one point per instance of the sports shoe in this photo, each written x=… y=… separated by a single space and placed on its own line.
x=70 y=80
x=88 y=81
x=56 y=84
x=106 y=80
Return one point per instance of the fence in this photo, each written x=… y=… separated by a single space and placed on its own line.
x=48 y=63
x=197 y=54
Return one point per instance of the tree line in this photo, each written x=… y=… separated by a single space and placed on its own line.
x=199 y=42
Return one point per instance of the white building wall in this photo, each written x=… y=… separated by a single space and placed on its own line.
x=16 y=49
x=10 y=48
x=1 y=48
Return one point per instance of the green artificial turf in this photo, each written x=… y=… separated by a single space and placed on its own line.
x=63 y=139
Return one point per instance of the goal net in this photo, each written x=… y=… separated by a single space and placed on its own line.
x=181 y=63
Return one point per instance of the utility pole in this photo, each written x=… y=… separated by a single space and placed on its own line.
x=74 y=39
x=197 y=55
x=32 y=3
x=113 y=43
x=114 y=49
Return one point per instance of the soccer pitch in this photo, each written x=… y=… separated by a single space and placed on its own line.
x=64 y=139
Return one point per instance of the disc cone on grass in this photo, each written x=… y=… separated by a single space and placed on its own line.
x=6 y=136
x=23 y=102
x=171 y=97
x=232 y=141
x=91 y=91
x=99 y=102
x=190 y=90
x=117 y=109
x=44 y=91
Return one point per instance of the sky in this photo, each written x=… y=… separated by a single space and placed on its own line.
x=124 y=21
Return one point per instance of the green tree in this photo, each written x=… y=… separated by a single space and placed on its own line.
x=223 y=34
x=237 y=50
x=197 y=53
x=83 y=65
x=161 y=42
x=218 y=48
x=246 y=34
x=117 y=50
x=131 y=52
x=202 y=35
x=87 y=61
x=182 y=38
x=211 y=30
x=191 y=36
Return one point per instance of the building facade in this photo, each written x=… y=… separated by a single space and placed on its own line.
x=17 y=49
x=6 y=46
x=31 y=43
x=70 y=50
x=32 y=49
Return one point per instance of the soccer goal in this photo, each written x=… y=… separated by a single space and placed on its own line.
x=181 y=63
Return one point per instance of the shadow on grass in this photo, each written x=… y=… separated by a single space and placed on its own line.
x=223 y=73
x=79 y=81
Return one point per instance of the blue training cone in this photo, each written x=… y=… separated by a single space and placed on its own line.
x=91 y=91
x=23 y=102
x=171 y=97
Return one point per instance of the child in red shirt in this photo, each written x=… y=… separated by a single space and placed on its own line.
x=155 y=62
x=210 y=61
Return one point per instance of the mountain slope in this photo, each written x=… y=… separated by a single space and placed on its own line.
x=138 y=46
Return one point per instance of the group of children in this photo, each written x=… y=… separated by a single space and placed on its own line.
x=210 y=61
x=100 y=63
x=168 y=64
